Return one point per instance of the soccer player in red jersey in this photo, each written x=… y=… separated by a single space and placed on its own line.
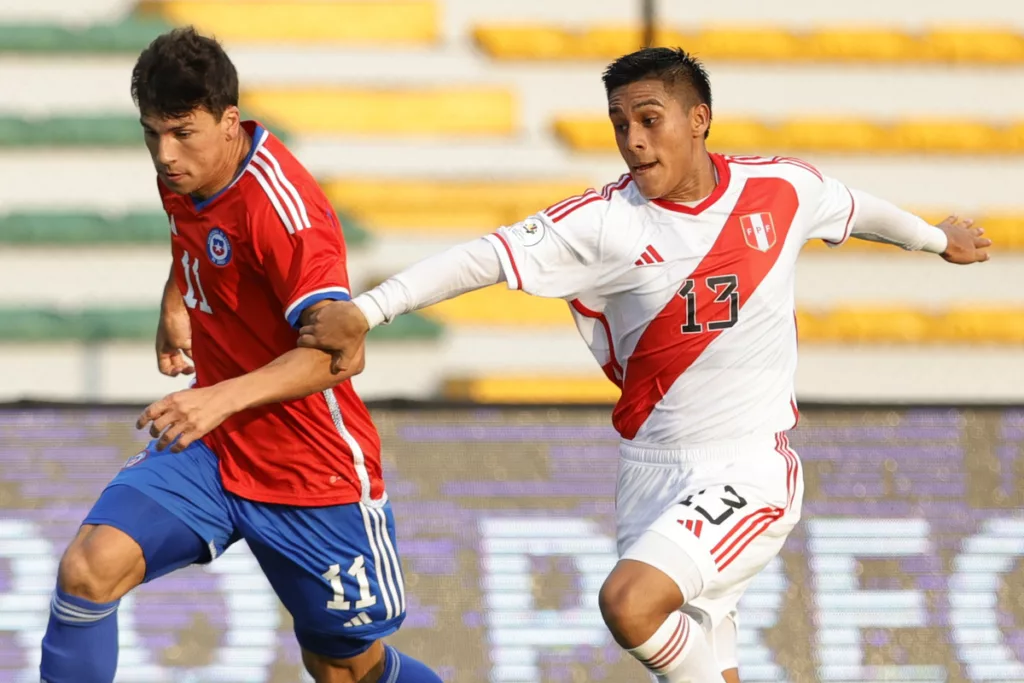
x=268 y=446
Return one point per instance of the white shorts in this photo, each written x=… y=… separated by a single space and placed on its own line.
x=728 y=506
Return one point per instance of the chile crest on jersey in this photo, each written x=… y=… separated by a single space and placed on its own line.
x=218 y=247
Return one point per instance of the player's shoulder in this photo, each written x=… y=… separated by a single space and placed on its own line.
x=787 y=168
x=591 y=208
x=275 y=182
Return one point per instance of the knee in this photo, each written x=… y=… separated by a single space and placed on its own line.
x=101 y=567
x=634 y=600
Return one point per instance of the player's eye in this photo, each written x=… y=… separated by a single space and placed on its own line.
x=621 y=127
x=650 y=120
x=182 y=134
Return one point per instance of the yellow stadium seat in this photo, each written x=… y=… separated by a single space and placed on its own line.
x=759 y=44
x=859 y=45
x=946 y=136
x=586 y=134
x=344 y=21
x=499 y=306
x=1005 y=231
x=449 y=111
x=524 y=42
x=875 y=325
x=980 y=325
x=976 y=46
x=1013 y=137
x=469 y=205
x=609 y=42
x=534 y=389
x=738 y=135
x=832 y=135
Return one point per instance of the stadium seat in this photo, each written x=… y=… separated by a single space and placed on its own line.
x=90 y=228
x=115 y=130
x=524 y=42
x=499 y=306
x=859 y=45
x=839 y=135
x=947 y=136
x=539 y=389
x=760 y=44
x=127 y=324
x=130 y=35
x=975 y=46
x=876 y=325
x=980 y=325
x=609 y=42
x=835 y=135
x=398 y=205
x=444 y=111
x=306 y=21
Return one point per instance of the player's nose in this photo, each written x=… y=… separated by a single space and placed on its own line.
x=165 y=152
x=636 y=139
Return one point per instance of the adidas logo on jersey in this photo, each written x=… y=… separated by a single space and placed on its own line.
x=649 y=257
x=360 y=619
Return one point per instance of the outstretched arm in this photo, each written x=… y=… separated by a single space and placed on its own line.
x=956 y=240
x=341 y=326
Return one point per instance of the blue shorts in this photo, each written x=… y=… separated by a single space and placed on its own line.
x=335 y=568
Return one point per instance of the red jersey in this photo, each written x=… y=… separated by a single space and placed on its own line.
x=248 y=261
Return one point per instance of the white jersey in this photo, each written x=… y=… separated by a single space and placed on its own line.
x=690 y=310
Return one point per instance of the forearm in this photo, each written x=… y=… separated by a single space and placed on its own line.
x=172 y=300
x=461 y=269
x=880 y=221
x=295 y=374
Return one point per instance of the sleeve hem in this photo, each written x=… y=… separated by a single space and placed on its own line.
x=508 y=263
x=850 y=219
x=295 y=310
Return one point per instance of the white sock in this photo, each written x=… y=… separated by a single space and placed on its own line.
x=679 y=652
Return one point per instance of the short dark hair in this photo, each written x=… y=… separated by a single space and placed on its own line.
x=671 y=66
x=181 y=71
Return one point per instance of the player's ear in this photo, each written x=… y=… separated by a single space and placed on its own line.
x=700 y=119
x=231 y=122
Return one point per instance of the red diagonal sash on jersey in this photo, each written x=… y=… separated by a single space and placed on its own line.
x=663 y=352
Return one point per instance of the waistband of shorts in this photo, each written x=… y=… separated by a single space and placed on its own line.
x=654 y=454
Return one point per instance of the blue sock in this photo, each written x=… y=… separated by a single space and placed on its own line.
x=399 y=668
x=80 y=645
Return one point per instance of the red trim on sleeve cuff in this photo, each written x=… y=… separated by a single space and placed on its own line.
x=511 y=259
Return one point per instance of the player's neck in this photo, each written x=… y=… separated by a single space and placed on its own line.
x=697 y=185
x=232 y=166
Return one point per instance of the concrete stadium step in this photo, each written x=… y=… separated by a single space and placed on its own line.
x=793 y=13
x=543 y=90
x=826 y=135
x=74 y=276
x=421 y=369
x=846 y=374
x=26 y=325
x=65 y=12
x=102 y=130
x=120 y=179
x=448 y=111
x=93 y=229
x=379 y=23
x=130 y=35
x=883 y=321
x=757 y=44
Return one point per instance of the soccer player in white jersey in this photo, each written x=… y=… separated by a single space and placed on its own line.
x=680 y=276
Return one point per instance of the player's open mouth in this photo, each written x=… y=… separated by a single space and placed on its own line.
x=174 y=177
x=644 y=168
